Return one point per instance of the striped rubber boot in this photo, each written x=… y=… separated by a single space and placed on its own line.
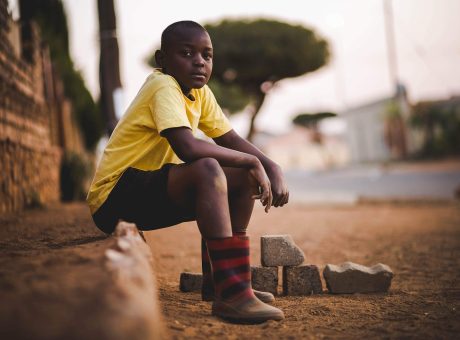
x=234 y=297
x=207 y=288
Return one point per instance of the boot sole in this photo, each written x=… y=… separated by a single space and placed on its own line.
x=210 y=298
x=231 y=314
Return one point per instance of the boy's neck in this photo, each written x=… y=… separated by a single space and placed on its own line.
x=186 y=91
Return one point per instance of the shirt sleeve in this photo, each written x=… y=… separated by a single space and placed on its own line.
x=168 y=109
x=213 y=121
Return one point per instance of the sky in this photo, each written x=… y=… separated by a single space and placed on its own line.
x=427 y=48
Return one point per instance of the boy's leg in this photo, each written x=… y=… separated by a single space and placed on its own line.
x=240 y=190
x=234 y=297
x=202 y=186
x=203 y=183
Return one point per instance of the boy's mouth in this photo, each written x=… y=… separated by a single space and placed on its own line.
x=198 y=76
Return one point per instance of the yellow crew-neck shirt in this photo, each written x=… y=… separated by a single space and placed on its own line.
x=136 y=141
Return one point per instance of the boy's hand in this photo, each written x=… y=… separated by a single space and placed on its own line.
x=279 y=186
x=262 y=184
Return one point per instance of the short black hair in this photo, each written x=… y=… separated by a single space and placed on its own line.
x=176 y=28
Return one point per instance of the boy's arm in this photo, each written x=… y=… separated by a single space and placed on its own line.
x=188 y=148
x=232 y=140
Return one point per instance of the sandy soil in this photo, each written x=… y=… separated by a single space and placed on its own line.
x=420 y=242
x=45 y=253
x=50 y=274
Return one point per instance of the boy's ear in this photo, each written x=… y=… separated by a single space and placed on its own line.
x=159 y=57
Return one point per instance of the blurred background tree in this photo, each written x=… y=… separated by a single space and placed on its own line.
x=440 y=123
x=250 y=56
x=51 y=18
x=255 y=54
x=311 y=121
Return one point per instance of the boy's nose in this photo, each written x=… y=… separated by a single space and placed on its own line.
x=198 y=60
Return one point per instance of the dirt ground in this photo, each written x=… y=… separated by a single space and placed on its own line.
x=420 y=242
x=45 y=253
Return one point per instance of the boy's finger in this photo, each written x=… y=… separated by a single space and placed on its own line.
x=264 y=197
x=280 y=200
x=270 y=200
x=284 y=200
x=265 y=192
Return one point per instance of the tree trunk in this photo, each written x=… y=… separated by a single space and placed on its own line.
x=257 y=105
x=109 y=69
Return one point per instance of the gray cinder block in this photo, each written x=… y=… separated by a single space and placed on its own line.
x=280 y=250
x=302 y=280
x=190 y=282
x=350 y=278
x=265 y=279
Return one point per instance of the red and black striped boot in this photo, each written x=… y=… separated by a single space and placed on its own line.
x=207 y=288
x=234 y=297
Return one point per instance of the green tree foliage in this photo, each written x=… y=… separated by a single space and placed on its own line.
x=231 y=97
x=51 y=18
x=254 y=54
x=440 y=122
x=310 y=121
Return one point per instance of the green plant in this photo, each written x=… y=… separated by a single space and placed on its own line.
x=51 y=18
x=440 y=122
x=74 y=173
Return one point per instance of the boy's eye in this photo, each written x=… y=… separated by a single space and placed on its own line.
x=207 y=56
x=187 y=53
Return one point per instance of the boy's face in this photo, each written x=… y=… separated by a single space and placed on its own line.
x=188 y=58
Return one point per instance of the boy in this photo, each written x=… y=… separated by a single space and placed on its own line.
x=155 y=173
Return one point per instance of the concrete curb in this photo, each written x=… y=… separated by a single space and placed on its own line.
x=134 y=307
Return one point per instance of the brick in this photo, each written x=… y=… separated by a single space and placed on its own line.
x=301 y=280
x=33 y=134
x=265 y=279
x=190 y=282
x=350 y=278
x=280 y=250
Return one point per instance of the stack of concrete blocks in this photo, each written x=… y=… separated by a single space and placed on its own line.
x=281 y=251
x=300 y=279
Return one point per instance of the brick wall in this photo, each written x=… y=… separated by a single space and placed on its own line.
x=36 y=124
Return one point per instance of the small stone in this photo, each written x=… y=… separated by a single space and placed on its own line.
x=190 y=282
x=265 y=279
x=350 y=277
x=280 y=250
x=302 y=280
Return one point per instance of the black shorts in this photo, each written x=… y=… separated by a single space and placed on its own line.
x=141 y=197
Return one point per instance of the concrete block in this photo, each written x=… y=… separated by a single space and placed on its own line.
x=190 y=282
x=302 y=280
x=280 y=250
x=350 y=278
x=265 y=279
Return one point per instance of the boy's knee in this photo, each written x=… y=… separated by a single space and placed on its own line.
x=208 y=165
x=209 y=171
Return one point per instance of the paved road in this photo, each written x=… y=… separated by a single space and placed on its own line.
x=372 y=182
